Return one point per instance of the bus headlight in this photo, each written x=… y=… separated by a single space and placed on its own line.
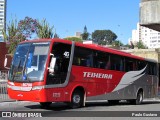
x=38 y=88
x=8 y=86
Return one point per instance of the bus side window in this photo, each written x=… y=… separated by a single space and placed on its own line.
x=101 y=65
x=134 y=66
x=130 y=64
x=141 y=65
x=84 y=56
x=155 y=69
x=108 y=65
x=117 y=63
x=89 y=60
x=101 y=59
x=152 y=68
x=83 y=62
x=77 y=61
x=122 y=65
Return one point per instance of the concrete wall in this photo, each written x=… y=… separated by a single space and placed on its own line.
x=146 y=53
x=150 y=14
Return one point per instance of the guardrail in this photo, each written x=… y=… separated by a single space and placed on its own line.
x=3 y=92
x=3 y=75
x=3 y=86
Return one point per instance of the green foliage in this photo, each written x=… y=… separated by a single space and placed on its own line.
x=28 y=27
x=129 y=46
x=56 y=35
x=74 y=39
x=12 y=46
x=24 y=30
x=13 y=36
x=85 y=34
x=104 y=36
x=44 y=30
x=140 y=45
x=117 y=43
x=12 y=31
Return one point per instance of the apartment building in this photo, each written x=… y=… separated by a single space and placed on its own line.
x=149 y=37
x=2 y=18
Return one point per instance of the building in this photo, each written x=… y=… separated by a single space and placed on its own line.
x=77 y=34
x=153 y=53
x=149 y=37
x=135 y=35
x=149 y=14
x=2 y=17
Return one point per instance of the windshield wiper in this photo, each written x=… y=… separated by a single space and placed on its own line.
x=25 y=62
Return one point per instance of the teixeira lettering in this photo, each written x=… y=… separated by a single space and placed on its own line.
x=97 y=75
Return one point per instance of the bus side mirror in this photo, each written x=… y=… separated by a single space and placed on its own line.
x=6 y=63
x=52 y=65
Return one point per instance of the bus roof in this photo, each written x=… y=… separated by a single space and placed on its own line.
x=48 y=40
x=92 y=46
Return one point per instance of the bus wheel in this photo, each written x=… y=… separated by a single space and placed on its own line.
x=138 y=100
x=77 y=99
x=45 y=104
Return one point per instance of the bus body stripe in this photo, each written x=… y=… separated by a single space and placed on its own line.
x=128 y=78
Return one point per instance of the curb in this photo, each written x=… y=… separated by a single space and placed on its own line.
x=13 y=101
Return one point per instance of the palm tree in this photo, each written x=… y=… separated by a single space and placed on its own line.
x=12 y=31
x=13 y=36
x=44 y=30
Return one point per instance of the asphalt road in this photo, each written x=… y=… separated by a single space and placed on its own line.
x=92 y=110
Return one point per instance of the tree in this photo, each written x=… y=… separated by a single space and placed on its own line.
x=16 y=33
x=140 y=45
x=28 y=27
x=44 y=30
x=104 y=36
x=74 y=39
x=56 y=35
x=117 y=43
x=13 y=36
x=24 y=30
x=129 y=46
x=85 y=34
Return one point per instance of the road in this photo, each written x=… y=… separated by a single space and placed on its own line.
x=92 y=110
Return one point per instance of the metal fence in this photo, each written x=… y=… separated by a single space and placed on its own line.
x=3 y=75
x=3 y=86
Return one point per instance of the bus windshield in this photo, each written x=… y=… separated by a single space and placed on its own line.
x=29 y=62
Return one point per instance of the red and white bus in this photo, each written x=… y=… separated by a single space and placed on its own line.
x=56 y=70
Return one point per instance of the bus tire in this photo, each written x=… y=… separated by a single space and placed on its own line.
x=77 y=99
x=138 y=99
x=45 y=104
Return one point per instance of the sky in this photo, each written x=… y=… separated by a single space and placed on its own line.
x=70 y=16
